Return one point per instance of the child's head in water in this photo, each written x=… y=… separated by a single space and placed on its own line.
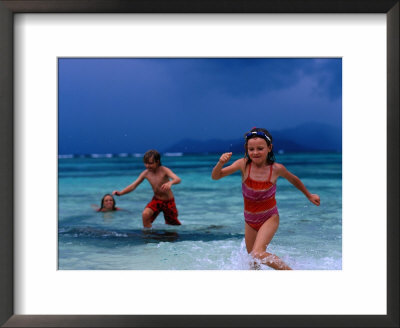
x=107 y=203
x=152 y=159
x=263 y=134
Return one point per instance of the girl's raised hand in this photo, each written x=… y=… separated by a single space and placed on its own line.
x=314 y=198
x=225 y=157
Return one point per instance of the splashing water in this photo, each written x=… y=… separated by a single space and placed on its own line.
x=212 y=233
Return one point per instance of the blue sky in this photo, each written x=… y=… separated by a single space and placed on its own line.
x=129 y=105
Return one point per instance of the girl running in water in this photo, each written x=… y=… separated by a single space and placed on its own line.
x=260 y=173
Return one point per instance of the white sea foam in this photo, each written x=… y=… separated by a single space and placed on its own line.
x=101 y=155
x=173 y=154
x=66 y=156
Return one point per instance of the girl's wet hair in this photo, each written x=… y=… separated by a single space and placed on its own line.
x=259 y=133
x=152 y=154
x=102 y=202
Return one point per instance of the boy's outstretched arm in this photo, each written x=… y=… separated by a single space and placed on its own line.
x=295 y=181
x=131 y=187
x=174 y=179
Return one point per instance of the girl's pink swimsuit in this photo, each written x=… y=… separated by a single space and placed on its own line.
x=259 y=200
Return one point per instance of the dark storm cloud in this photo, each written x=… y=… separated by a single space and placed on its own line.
x=130 y=105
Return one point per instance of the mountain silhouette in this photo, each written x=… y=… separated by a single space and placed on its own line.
x=308 y=137
x=311 y=137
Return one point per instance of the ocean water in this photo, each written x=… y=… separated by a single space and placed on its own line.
x=211 y=236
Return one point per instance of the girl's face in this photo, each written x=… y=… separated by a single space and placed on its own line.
x=258 y=149
x=108 y=202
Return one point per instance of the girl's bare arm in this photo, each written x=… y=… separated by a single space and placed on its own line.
x=219 y=172
x=295 y=181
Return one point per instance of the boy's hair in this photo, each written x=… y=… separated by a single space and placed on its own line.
x=259 y=133
x=102 y=202
x=152 y=154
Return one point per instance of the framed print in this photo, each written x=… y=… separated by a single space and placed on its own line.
x=220 y=88
x=44 y=42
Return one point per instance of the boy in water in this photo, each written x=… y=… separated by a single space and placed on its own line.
x=163 y=200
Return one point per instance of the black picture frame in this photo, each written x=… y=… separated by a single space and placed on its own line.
x=10 y=7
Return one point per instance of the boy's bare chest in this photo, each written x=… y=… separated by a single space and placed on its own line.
x=157 y=178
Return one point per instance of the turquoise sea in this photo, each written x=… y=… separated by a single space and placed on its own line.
x=211 y=236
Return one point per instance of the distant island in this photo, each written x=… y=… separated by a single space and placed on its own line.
x=309 y=137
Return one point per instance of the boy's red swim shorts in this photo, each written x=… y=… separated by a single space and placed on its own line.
x=168 y=207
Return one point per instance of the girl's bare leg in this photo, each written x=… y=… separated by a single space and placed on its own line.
x=272 y=261
x=257 y=242
x=250 y=237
